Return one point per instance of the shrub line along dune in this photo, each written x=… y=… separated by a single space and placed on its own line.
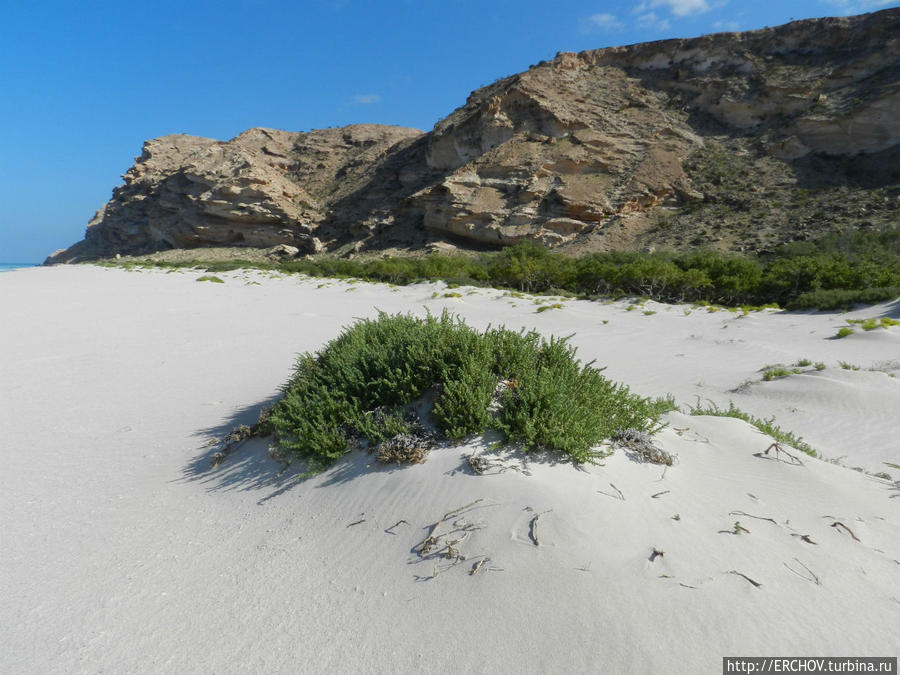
x=364 y=386
x=830 y=273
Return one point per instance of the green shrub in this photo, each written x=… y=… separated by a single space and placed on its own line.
x=362 y=383
x=834 y=272
x=843 y=332
x=210 y=277
x=767 y=426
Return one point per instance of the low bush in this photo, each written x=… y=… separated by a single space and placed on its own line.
x=829 y=273
x=362 y=386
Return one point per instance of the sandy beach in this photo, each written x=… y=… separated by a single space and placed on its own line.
x=124 y=552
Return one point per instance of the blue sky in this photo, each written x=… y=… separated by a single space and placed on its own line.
x=83 y=84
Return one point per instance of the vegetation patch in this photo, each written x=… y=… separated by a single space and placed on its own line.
x=777 y=372
x=872 y=324
x=544 y=308
x=210 y=277
x=767 y=426
x=363 y=385
x=833 y=272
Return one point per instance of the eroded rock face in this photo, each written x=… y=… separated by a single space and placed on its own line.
x=586 y=147
x=261 y=189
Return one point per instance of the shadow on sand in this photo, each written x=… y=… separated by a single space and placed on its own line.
x=249 y=467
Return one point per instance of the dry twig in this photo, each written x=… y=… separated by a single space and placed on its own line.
x=743 y=513
x=806 y=538
x=477 y=566
x=837 y=524
x=431 y=539
x=755 y=583
x=659 y=494
x=781 y=451
x=390 y=530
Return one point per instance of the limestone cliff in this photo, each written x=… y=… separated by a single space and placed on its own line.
x=735 y=140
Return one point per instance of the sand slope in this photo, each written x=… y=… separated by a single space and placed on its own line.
x=123 y=552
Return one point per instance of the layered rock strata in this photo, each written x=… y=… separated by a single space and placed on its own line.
x=601 y=149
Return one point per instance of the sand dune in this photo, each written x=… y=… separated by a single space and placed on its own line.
x=123 y=551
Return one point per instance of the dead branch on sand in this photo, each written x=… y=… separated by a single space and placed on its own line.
x=431 y=540
x=235 y=438
x=806 y=538
x=749 y=515
x=791 y=459
x=391 y=529
x=838 y=524
x=740 y=574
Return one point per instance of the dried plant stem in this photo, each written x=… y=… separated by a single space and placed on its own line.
x=618 y=494
x=750 y=515
x=812 y=575
x=806 y=538
x=838 y=524
x=390 y=530
x=431 y=539
x=755 y=583
x=781 y=451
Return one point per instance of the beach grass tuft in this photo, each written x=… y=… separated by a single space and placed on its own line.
x=767 y=426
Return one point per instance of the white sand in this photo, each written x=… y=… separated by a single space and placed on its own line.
x=122 y=552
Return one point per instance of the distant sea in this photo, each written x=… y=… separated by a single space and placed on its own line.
x=5 y=267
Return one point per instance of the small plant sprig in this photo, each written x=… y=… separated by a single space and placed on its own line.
x=777 y=372
x=872 y=324
x=767 y=426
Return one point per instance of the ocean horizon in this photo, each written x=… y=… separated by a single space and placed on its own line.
x=5 y=267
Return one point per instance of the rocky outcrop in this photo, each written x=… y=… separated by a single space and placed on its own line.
x=261 y=189
x=614 y=148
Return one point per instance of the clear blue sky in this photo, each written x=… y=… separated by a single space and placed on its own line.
x=83 y=84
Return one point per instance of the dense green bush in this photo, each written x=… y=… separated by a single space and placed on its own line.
x=535 y=392
x=834 y=272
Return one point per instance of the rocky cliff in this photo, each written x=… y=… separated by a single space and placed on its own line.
x=734 y=140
